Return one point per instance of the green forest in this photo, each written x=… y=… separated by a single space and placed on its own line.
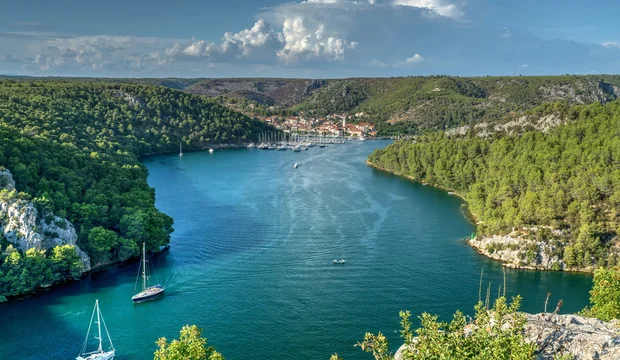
x=567 y=179
x=399 y=105
x=73 y=149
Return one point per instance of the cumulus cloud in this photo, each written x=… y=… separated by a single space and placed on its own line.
x=442 y=7
x=304 y=39
x=258 y=44
x=415 y=59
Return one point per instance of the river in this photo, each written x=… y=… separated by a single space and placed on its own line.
x=251 y=262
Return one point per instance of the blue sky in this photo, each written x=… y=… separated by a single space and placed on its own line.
x=311 y=38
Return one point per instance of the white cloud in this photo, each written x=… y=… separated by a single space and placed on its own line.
x=611 y=44
x=415 y=59
x=258 y=43
x=306 y=39
x=378 y=63
x=441 y=7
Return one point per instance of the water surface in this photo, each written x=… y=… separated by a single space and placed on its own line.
x=251 y=262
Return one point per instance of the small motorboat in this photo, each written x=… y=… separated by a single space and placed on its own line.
x=322 y=146
x=210 y=150
x=295 y=165
x=297 y=149
x=251 y=146
x=341 y=261
x=283 y=147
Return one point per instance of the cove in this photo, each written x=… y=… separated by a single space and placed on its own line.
x=251 y=262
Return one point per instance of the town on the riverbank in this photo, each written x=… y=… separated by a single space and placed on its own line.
x=338 y=125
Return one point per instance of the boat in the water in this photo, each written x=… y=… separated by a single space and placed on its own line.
x=282 y=147
x=341 y=261
x=100 y=353
x=210 y=150
x=180 y=150
x=251 y=146
x=297 y=148
x=148 y=292
x=322 y=145
x=295 y=165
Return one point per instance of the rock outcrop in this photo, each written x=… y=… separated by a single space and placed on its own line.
x=6 y=179
x=22 y=225
x=583 y=338
x=517 y=251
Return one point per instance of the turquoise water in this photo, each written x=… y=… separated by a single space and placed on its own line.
x=251 y=262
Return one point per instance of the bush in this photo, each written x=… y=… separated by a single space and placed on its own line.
x=494 y=334
x=190 y=346
x=605 y=295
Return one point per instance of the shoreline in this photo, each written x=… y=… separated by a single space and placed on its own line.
x=479 y=245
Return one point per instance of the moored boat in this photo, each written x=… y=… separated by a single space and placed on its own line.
x=100 y=353
x=148 y=292
x=341 y=261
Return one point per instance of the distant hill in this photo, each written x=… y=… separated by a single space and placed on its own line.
x=398 y=105
x=414 y=104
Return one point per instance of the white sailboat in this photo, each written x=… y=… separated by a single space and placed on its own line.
x=148 y=292
x=210 y=150
x=98 y=354
x=180 y=150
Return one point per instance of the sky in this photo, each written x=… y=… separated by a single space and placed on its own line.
x=308 y=39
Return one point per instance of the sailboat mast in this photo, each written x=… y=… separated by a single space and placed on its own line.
x=143 y=266
x=99 y=325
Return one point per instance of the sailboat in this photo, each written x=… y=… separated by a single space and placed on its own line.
x=98 y=354
x=148 y=292
x=180 y=150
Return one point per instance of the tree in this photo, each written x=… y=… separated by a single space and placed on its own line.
x=100 y=242
x=190 y=346
x=66 y=262
x=605 y=295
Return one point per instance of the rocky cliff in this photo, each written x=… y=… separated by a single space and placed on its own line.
x=516 y=250
x=22 y=225
x=583 y=338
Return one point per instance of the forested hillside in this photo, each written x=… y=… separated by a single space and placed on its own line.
x=563 y=184
x=406 y=105
x=73 y=149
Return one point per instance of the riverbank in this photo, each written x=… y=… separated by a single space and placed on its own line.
x=513 y=250
x=472 y=217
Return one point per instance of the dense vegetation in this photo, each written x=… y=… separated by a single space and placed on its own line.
x=399 y=105
x=605 y=295
x=190 y=346
x=495 y=333
x=73 y=149
x=567 y=179
x=419 y=104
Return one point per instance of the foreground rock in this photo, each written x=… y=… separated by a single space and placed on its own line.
x=22 y=225
x=583 y=338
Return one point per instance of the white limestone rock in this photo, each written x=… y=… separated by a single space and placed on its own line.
x=21 y=225
x=6 y=179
